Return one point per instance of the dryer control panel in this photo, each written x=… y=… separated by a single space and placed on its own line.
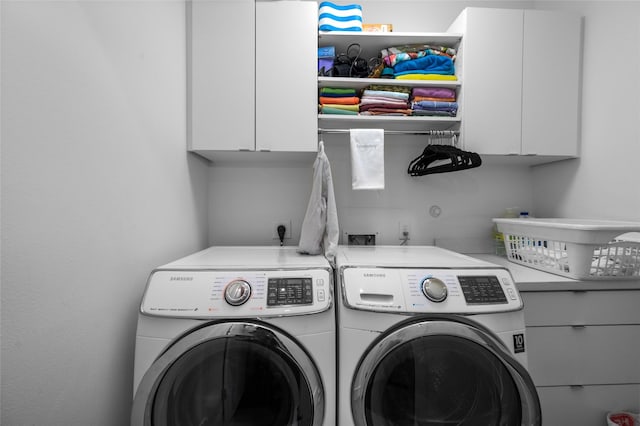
x=464 y=291
x=234 y=294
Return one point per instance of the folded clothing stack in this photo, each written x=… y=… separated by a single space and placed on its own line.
x=434 y=101
x=385 y=100
x=419 y=62
x=334 y=17
x=335 y=100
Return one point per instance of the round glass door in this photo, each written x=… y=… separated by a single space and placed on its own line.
x=232 y=374
x=438 y=373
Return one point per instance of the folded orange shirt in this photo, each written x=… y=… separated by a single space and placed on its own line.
x=338 y=100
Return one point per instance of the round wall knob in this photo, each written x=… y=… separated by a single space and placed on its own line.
x=434 y=289
x=237 y=292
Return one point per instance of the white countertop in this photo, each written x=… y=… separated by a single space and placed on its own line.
x=529 y=279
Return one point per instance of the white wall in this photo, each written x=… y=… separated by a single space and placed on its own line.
x=97 y=189
x=246 y=201
x=603 y=183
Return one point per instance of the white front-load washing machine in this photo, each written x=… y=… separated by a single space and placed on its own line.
x=237 y=336
x=427 y=336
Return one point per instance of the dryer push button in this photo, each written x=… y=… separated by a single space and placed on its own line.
x=434 y=289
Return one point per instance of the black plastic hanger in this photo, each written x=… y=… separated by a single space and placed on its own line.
x=447 y=159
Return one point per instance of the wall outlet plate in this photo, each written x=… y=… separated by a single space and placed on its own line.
x=404 y=231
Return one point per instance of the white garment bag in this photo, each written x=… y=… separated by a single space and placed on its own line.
x=320 y=226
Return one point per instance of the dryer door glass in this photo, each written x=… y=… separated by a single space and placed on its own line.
x=441 y=380
x=235 y=378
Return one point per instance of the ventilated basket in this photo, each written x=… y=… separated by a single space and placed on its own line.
x=580 y=249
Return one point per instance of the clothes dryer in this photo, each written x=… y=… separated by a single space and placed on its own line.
x=427 y=336
x=237 y=336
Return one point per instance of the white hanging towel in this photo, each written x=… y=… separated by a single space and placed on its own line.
x=320 y=225
x=367 y=158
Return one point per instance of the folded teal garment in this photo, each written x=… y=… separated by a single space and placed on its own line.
x=423 y=72
x=432 y=64
x=337 y=111
x=387 y=72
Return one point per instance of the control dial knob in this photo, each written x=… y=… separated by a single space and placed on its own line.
x=237 y=292
x=434 y=289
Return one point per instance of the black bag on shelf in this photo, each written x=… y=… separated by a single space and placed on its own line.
x=348 y=65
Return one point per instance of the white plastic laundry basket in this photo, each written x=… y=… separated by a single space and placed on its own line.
x=574 y=248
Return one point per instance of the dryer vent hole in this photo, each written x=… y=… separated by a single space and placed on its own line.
x=361 y=239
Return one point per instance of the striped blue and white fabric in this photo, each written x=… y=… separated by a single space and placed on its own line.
x=335 y=17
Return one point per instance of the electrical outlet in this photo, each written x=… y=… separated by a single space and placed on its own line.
x=287 y=232
x=403 y=231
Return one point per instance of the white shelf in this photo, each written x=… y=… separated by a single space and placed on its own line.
x=371 y=44
x=388 y=122
x=360 y=83
x=376 y=40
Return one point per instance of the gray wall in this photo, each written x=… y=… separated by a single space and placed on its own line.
x=97 y=189
x=603 y=183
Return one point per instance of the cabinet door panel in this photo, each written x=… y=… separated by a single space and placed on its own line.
x=221 y=84
x=491 y=57
x=581 y=307
x=286 y=76
x=588 y=405
x=585 y=355
x=551 y=70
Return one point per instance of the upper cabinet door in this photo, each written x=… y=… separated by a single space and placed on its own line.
x=551 y=83
x=491 y=62
x=221 y=75
x=286 y=76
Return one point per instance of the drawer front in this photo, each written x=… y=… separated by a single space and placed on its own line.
x=587 y=405
x=581 y=307
x=584 y=355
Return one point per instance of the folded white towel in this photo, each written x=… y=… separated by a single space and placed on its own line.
x=367 y=158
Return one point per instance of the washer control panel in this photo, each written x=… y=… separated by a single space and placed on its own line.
x=409 y=290
x=213 y=293
x=482 y=289
x=289 y=291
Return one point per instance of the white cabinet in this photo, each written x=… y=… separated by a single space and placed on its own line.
x=286 y=73
x=584 y=353
x=252 y=77
x=221 y=75
x=520 y=91
x=551 y=83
